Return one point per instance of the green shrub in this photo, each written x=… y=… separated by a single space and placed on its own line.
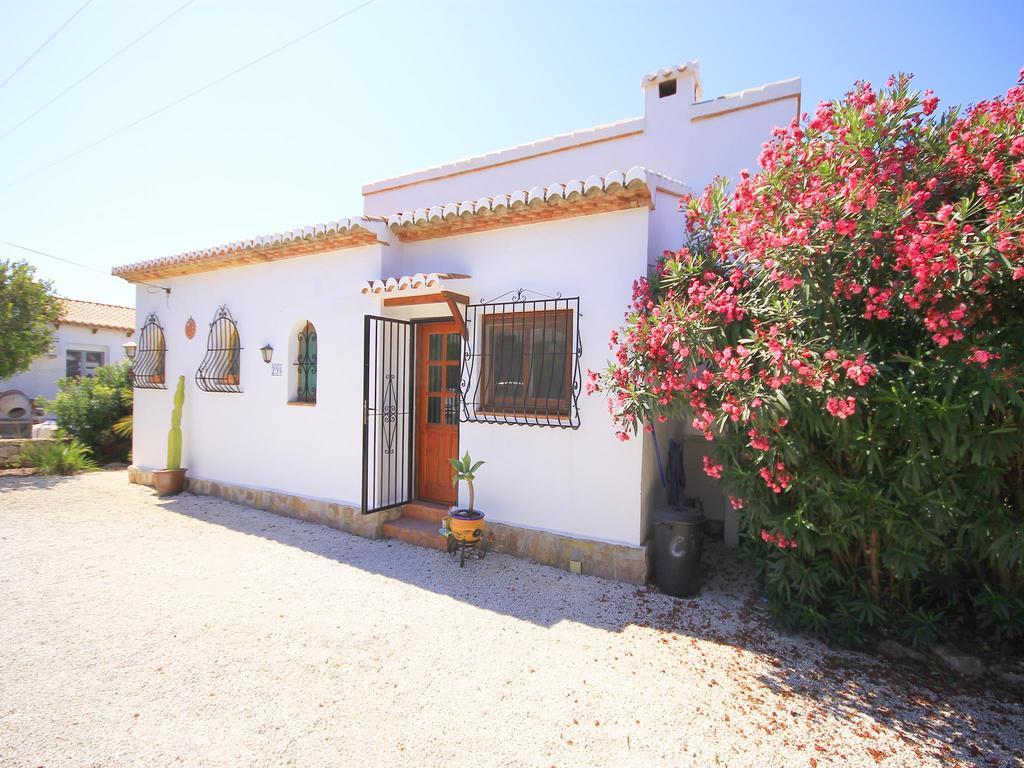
x=60 y=457
x=846 y=328
x=88 y=409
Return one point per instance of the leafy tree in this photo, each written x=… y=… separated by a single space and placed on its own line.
x=89 y=409
x=28 y=313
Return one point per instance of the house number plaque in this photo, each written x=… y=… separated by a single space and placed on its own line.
x=190 y=328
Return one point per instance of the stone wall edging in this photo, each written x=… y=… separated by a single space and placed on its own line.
x=343 y=517
x=10 y=449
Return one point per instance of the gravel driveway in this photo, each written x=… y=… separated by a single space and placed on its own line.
x=196 y=632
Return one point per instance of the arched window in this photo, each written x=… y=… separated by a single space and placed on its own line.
x=220 y=370
x=305 y=365
x=150 y=358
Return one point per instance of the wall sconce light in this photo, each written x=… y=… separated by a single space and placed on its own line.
x=268 y=353
x=130 y=348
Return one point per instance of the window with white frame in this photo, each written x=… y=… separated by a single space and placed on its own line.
x=82 y=362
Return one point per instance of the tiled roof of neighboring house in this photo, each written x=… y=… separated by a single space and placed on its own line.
x=344 y=233
x=613 y=191
x=97 y=315
x=407 y=282
x=690 y=67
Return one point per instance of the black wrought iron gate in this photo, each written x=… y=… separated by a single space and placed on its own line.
x=388 y=377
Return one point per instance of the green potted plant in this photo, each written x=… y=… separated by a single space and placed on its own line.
x=466 y=524
x=171 y=481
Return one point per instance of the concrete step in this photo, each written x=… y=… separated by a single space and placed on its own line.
x=425 y=510
x=422 y=533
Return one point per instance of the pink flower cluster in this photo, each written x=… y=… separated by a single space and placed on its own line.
x=777 y=539
x=894 y=222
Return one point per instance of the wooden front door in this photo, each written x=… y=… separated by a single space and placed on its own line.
x=438 y=368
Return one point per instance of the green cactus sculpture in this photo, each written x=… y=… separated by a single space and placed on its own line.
x=174 y=434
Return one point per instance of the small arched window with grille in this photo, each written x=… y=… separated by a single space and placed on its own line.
x=305 y=365
x=220 y=370
x=150 y=358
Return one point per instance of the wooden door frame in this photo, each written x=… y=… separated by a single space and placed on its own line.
x=417 y=324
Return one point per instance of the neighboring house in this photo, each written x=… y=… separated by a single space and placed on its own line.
x=459 y=313
x=88 y=335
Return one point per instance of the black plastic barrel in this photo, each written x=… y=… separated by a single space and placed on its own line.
x=678 y=541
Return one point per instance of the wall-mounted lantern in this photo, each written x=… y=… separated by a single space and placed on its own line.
x=268 y=353
x=130 y=348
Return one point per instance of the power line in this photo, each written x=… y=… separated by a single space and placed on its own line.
x=51 y=256
x=96 y=69
x=73 y=263
x=45 y=43
x=187 y=96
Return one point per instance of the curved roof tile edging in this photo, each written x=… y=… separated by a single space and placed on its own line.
x=343 y=233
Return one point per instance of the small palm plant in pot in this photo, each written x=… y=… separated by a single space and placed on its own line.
x=466 y=524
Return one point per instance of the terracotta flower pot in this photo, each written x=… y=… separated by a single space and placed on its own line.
x=169 y=482
x=467 y=526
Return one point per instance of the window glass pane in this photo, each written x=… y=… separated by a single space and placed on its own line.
x=451 y=378
x=433 y=410
x=507 y=363
x=73 y=363
x=436 y=345
x=451 y=410
x=548 y=361
x=454 y=350
x=93 y=360
x=434 y=378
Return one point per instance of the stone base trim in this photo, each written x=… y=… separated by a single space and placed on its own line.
x=10 y=450
x=344 y=517
x=619 y=562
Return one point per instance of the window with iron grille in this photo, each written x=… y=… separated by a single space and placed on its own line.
x=521 y=362
x=305 y=365
x=220 y=370
x=150 y=358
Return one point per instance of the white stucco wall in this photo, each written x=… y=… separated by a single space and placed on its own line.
x=41 y=379
x=255 y=438
x=686 y=140
x=581 y=482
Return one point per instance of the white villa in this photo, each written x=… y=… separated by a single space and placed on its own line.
x=332 y=371
x=88 y=335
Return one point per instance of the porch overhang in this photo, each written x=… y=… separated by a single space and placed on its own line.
x=421 y=289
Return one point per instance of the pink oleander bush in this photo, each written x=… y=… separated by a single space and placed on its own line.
x=846 y=329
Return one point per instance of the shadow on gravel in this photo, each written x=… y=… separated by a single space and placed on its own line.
x=17 y=482
x=922 y=705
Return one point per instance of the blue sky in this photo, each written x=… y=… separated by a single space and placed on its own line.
x=395 y=87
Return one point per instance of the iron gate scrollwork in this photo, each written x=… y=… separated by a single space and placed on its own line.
x=387 y=413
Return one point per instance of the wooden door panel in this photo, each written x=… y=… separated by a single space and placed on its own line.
x=439 y=357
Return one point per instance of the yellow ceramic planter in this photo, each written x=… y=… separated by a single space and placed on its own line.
x=466 y=530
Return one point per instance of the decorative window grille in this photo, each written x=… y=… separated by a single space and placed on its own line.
x=521 y=363
x=150 y=358
x=306 y=365
x=220 y=370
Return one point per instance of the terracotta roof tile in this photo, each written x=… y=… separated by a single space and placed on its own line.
x=96 y=315
x=344 y=233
